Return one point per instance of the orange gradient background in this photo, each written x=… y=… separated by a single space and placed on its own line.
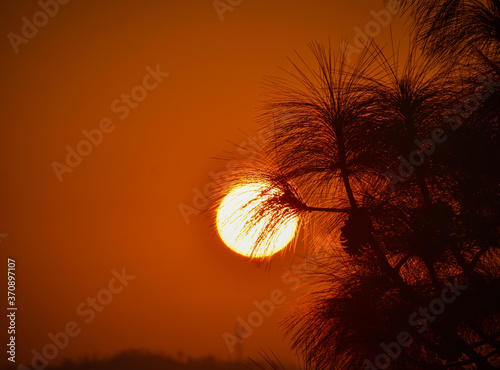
x=120 y=206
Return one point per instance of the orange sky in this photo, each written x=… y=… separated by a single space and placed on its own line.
x=119 y=207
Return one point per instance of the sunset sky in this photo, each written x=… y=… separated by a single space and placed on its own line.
x=71 y=222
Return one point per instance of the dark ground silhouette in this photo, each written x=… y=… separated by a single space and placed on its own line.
x=143 y=359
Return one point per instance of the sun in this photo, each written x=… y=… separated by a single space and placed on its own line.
x=251 y=224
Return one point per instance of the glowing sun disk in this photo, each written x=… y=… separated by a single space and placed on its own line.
x=250 y=226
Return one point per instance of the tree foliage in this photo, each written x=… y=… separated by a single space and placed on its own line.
x=417 y=209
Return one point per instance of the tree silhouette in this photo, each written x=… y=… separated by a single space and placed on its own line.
x=397 y=162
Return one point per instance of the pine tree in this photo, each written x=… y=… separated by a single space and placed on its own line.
x=397 y=163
